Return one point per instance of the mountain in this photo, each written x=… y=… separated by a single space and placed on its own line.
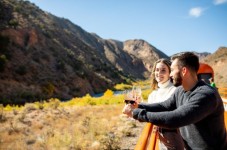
x=202 y=55
x=218 y=61
x=44 y=56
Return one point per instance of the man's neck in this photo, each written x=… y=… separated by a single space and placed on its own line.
x=189 y=83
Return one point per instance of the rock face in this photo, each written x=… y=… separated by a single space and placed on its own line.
x=202 y=55
x=143 y=51
x=218 y=61
x=43 y=56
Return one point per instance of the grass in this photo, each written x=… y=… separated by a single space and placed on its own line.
x=78 y=127
x=80 y=124
x=85 y=123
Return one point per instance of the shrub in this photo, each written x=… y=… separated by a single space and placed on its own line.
x=29 y=108
x=4 y=42
x=8 y=108
x=110 y=142
x=18 y=8
x=14 y=23
x=61 y=66
x=49 y=89
x=122 y=86
x=39 y=105
x=114 y=75
x=3 y=61
x=54 y=103
x=21 y=70
x=2 y=116
x=108 y=93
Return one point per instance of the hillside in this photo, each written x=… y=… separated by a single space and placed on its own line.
x=44 y=56
x=202 y=56
x=218 y=61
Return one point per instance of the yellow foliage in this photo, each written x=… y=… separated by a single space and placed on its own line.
x=8 y=108
x=108 y=98
x=54 y=103
x=108 y=93
x=122 y=86
x=17 y=107
x=87 y=96
x=146 y=93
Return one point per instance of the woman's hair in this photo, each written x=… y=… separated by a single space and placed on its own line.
x=154 y=83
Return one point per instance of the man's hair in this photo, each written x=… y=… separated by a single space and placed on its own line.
x=187 y=59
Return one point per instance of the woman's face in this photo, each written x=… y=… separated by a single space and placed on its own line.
x=162 y=73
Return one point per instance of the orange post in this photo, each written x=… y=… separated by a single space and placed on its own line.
x=148 y=138
x=152 y=144
x=225 y=115
x=142 y=142
x=223 y=92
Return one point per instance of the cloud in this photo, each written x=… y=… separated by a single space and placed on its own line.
x=196 y=12
x=219 y=2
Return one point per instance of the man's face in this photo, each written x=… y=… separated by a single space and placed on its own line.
x=175 y=73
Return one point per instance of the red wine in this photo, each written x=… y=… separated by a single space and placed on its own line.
x=129 y=101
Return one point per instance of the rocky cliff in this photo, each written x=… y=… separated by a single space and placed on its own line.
x=44 y=56
x=218 y=61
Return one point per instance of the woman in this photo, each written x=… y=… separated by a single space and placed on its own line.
x=162 y=88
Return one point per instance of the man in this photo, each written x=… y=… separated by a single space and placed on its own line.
x=195 y=108
x=212 y=82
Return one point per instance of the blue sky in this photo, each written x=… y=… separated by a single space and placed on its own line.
x=172 y=26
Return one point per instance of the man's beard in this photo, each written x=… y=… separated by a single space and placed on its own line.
x=177 y=81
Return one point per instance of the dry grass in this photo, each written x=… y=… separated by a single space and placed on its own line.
x=72 y=127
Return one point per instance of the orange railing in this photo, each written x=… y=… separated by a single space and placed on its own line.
x=223 y=92
x=148 y=139
x=225 y=105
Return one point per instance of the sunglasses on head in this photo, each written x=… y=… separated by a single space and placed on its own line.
x=129 y=101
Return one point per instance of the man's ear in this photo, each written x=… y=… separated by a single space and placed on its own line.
x=184 y=71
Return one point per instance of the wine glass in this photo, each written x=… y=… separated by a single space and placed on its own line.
x=129 y=97
x=138 y=93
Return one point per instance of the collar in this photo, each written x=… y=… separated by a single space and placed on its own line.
x=164 y=85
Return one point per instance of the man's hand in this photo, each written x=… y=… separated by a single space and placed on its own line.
x=128 y=108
